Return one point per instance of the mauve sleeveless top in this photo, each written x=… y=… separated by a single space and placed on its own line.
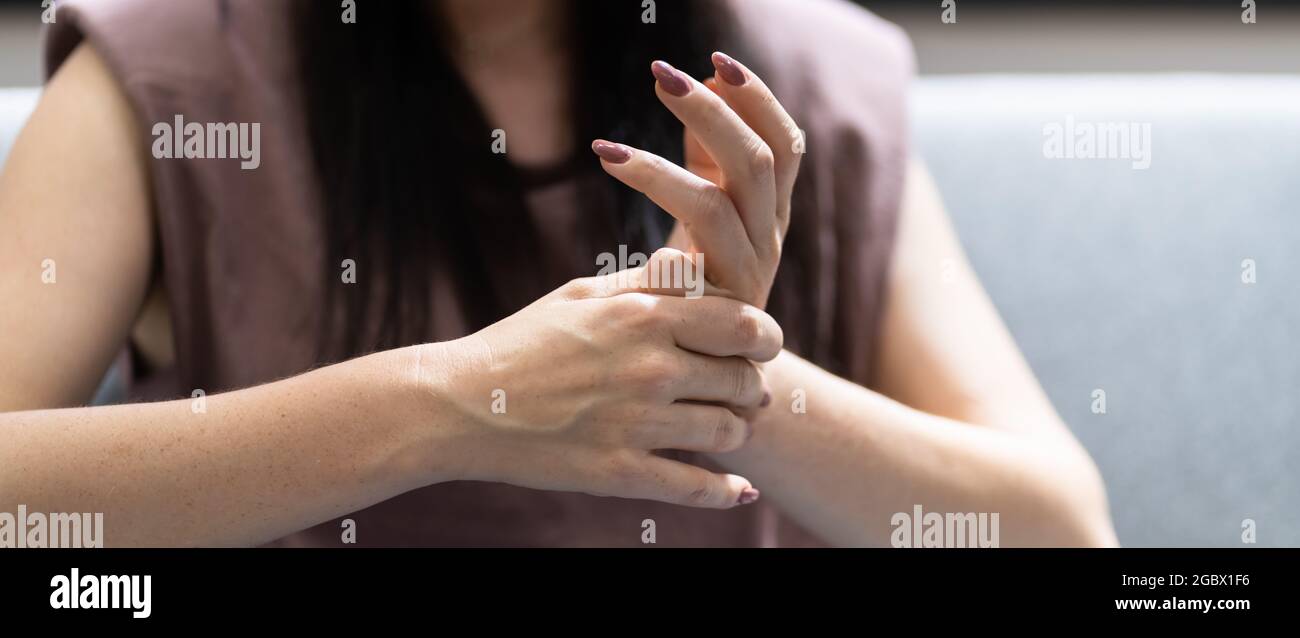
x=241 y=249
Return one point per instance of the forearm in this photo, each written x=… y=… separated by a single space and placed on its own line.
x=844 y=466
x=253 y=465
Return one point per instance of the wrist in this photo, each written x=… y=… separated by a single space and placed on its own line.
x=782 y=377
x=436 y=435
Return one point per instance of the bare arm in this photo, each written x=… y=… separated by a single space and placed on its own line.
x=76 y=242
x=259 y=463
x=76 y=239
x=968 y=429
x=252 y=466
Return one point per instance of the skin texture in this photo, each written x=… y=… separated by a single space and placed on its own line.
x=980 y=436
x=967 y=427
x=598 y=377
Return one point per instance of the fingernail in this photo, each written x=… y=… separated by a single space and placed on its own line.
x=611 y=152
x=767 y=400
x=674 y=82
x=747 y=496
x=728 y=69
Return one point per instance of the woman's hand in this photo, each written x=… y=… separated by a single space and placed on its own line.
x=574 y=391
x=738 y=214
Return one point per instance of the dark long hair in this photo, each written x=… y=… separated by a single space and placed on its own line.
x=410 y=183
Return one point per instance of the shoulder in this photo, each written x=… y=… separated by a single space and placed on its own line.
x=830 y=57
x=824 y=31
x=198 y=43
x=843 y=73
x=137 y=39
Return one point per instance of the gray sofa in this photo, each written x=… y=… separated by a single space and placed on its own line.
x=1131 y=281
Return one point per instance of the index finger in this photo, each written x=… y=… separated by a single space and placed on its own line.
x=721 y=327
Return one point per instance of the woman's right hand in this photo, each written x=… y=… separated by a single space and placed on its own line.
x=575 y=391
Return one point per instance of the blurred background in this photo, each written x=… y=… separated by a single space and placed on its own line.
x=990 y=35
x=1099 y=35
x=1171 y=291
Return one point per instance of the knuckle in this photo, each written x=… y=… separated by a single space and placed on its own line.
x=654 y=372
x=796 y=141
x=775 y=343
x=636 y=308
x=580 y=288
x=739 y=377
x=636 y=303
x=762 y=162
x=760 y=333
x=749 y=327
x=725 y=430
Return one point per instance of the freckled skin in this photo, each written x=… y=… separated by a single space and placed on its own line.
x=596 y=375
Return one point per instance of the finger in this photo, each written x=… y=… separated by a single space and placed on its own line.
x=750 y=98
x=732 y=381
x=693 y=427
x=677 y=482
x=701 y=205
x=747 y=163
x=721 y=327
x=698 y=160
x=750 y=414
x=673 y=273
x=711 y=325
x=669 y=272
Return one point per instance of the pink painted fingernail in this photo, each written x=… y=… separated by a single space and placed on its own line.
x=747 y=496
x=674 y=82
x=728 y=69
x=611 y=152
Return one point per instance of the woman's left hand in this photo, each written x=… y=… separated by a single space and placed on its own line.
x=738 y=218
